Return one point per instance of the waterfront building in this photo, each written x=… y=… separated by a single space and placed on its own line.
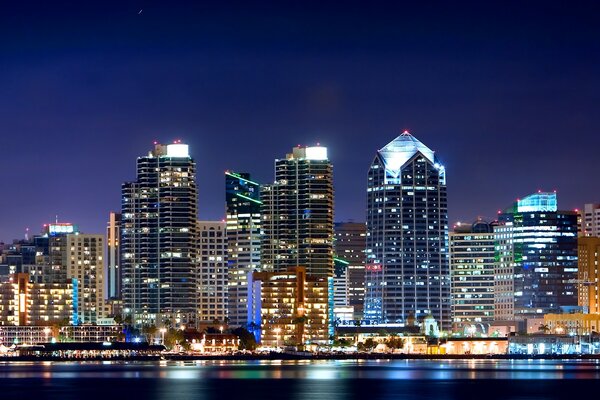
x=588 y=281
x=113 y=255
x=349 y=245
x=294 y=307
x=407 y=270
x=297 y=214
x=589 y=220
x=242 y=197
x=158 y=238
x=84 y=261
x=212 y=272
x=472 y=262
x=25 y=303
x=536 y=252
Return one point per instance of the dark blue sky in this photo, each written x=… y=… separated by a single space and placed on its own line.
x=507 y=94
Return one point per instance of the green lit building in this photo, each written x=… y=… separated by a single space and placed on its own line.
x=536 y=258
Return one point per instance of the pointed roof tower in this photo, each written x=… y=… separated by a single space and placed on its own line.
x=397 y=152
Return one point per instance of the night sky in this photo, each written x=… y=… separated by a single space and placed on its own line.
x=507 y=94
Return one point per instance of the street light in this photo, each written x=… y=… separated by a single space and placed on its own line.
x=221 y=329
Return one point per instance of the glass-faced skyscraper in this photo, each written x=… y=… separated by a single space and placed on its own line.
x=407 y=272
x=158 y=238
x=242 y=196
x=536 y=252
x=297 y=214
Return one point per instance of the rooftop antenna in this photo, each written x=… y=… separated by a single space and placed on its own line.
x=27 y=234
x=56 y=218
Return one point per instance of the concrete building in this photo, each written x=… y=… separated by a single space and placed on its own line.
x=407 y=271
x=588 y=220
x=212 y=271
x=25 y=303
x=294 y=307
x=158 y=238
x=536 y=249
x=242 y=197
x=588 y=279
x=113 y=255
x=349 y=245
x=472 y=262
x=84 y=260
x=297 y=214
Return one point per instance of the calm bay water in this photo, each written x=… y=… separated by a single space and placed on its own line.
x=301 y=380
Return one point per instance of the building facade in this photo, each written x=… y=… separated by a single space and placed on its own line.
x=407 y=272
x=212 y=272
x=472 y=262
x=84 y=260
x=294 y=307
x=113 y=256
x=158 y=238
x=25 y=303
x=242 y=197
x=588 y=281
x=536 y=251
x=297 y=214
x=589 y=220
x=349 y=245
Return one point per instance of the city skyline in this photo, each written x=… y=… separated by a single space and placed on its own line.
x=85 y=88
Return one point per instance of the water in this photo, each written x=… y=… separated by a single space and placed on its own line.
x=300 y=380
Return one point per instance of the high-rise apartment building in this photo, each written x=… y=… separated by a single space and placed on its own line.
x=536 y=252
x=158 y=238
x=588 y=259
x=212 y=271
x=349 y=245
x=589 y=220
x=113 y=256
x=84 y=261
x=407 y=271
x=472 y=262
x=297 y=214
x=242 y=197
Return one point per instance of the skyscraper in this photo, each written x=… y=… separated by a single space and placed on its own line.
x=472 y=262
x=242 y=196
x=158 y=238
x=536 y=250
x=588 y=259
x=407 y=270
x=350 y=243
x=297 y=214
x=113 y=254
x=212 y=271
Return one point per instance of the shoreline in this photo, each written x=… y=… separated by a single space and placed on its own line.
x=291 y=356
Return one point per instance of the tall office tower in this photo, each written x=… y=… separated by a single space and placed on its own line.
x=212 y=271
x=472 y=262
x=84 y=261
x=113 y=255
x=588 y=259
x=242 y=196
x=407 y=270
x=297 y=214
x=536 y=251
x=158 y=238
x=350 y=242
x=589 y=220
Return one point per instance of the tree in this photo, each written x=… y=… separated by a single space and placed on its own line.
x=395 y=343
x=367 y=345
x=247 y=340
x=149 y=331
x=544 y=328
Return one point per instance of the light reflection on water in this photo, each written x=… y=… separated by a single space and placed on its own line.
x=310 y=370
